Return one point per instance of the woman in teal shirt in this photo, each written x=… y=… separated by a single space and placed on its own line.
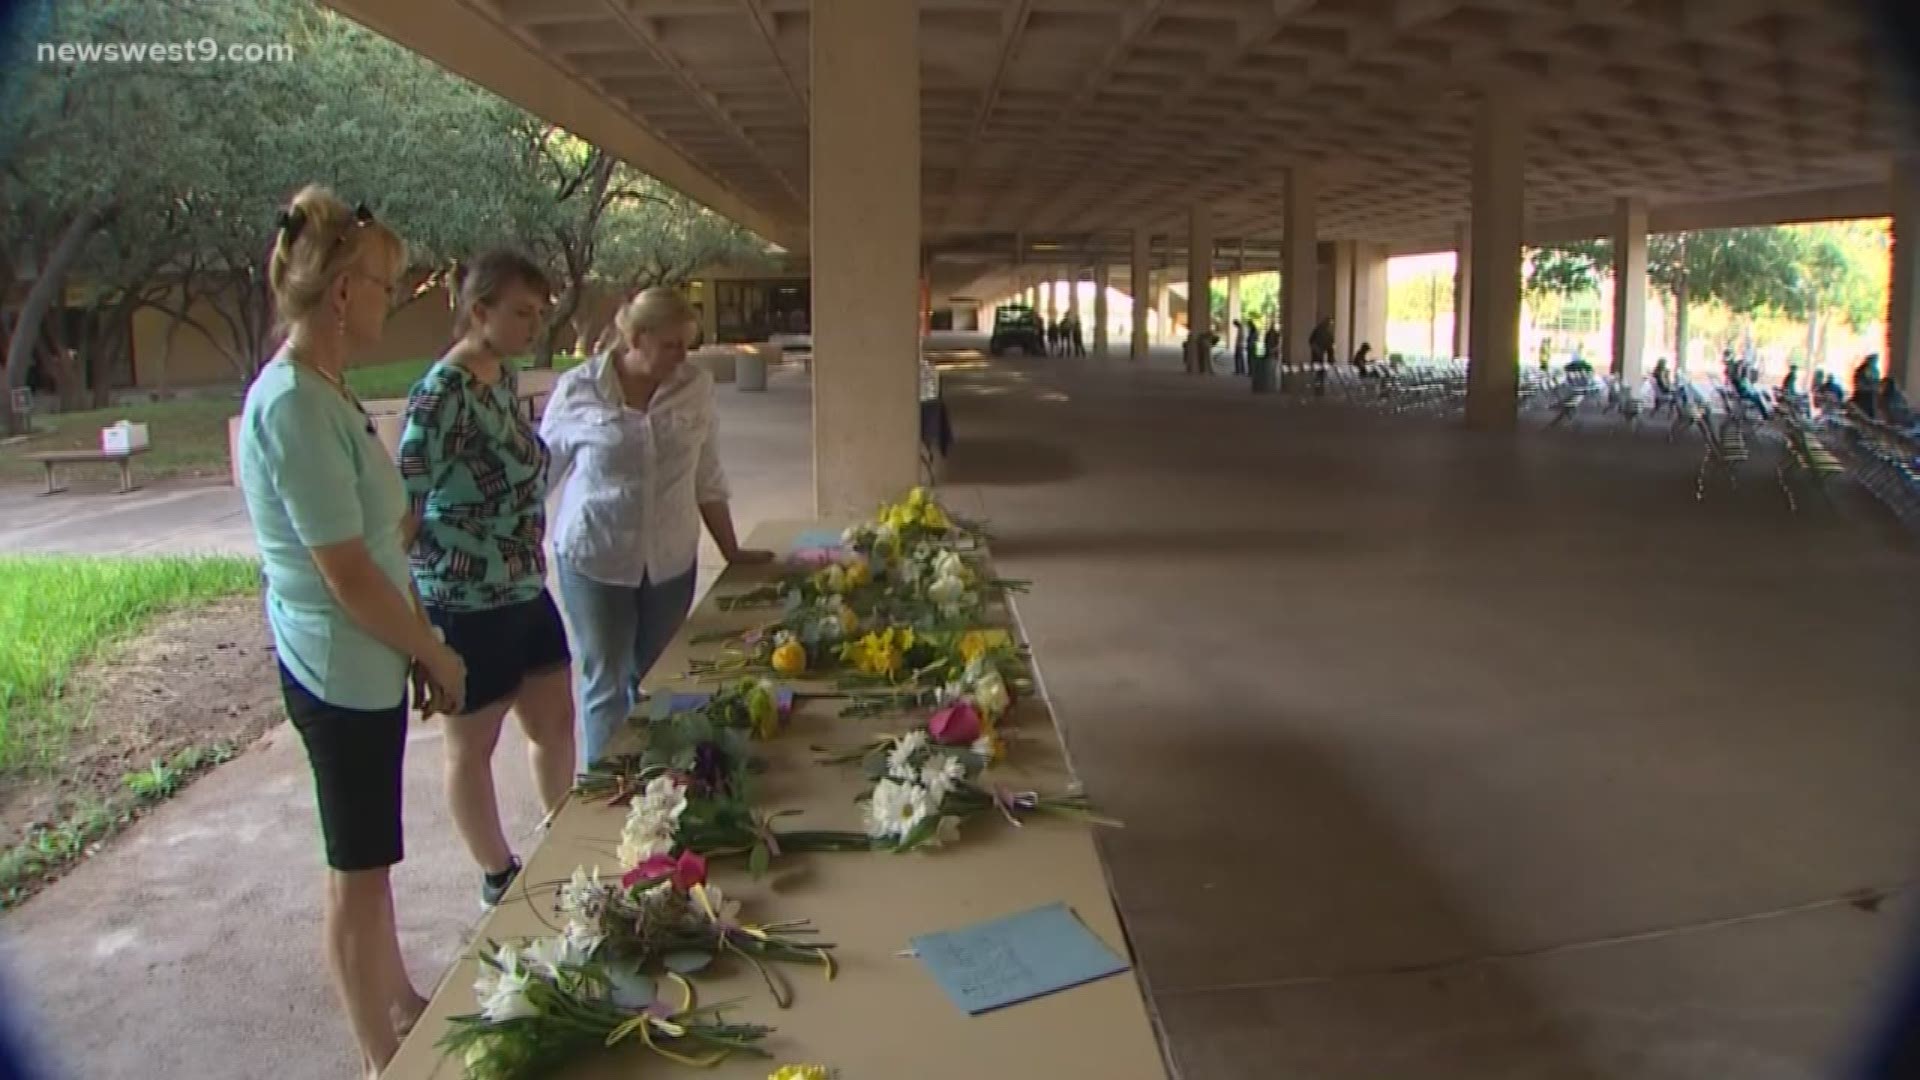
x=327 y=509
x=475 y=470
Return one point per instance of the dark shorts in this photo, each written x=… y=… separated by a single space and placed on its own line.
x=356 y=756
x=503 y=645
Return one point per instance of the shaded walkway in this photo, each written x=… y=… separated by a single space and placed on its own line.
x=1383 y=701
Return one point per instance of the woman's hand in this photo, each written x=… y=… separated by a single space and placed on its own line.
x=446 y=677
x=748 y=557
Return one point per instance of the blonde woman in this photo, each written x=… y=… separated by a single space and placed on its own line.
x=327 y=508
x=476 y=472
x=637 y=464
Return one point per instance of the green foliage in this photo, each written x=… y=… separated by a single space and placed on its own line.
x=1797 y=270
x=1259 y=296
x=200 y=157
x=1422 y=298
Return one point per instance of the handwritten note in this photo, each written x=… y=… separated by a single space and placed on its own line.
x=1017 y=958
x=817 y=538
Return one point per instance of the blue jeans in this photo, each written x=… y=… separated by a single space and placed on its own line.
x=618 y=633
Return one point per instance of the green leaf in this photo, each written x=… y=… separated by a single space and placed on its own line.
x=758 y=860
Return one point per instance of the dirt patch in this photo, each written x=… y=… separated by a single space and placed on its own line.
x=192 y=678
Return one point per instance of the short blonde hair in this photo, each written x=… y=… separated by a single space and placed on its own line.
x=318 y=238
x=653 y=310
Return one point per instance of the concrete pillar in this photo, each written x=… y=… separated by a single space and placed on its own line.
x=1199 y=287
x=1342 y=309
x=1233 y=287
x=1139 y=272
x=1163 y=300
x=1101 y=275
x=1903 y=299
x=864 y=149
x=1073 y=291
x=1493 y=338
x=1299 y=265
x=1370 y=298
x=1630 y=290
x=1462 y=286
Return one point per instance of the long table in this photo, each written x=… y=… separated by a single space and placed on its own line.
x=882 y=1017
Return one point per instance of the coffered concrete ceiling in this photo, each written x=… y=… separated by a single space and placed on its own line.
x=1092 y=117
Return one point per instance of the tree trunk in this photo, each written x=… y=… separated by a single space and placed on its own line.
x=46 y=289
x=1680 y=305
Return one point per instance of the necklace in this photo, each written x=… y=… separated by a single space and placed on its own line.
x=338 y=382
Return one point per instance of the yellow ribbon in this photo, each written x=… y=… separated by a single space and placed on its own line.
x=646 y=1023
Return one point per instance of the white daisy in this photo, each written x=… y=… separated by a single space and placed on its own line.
x=900 y=761
x=940 y=773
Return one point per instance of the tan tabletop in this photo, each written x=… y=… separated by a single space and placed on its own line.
x=882 y=1017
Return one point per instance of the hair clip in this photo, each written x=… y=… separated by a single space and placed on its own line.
x=291 y=222
x=362 y=215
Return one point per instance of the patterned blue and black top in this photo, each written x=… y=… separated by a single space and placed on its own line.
x=475 y=470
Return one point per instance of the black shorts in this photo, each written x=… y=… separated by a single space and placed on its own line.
x=503 y=645
x=356 y=756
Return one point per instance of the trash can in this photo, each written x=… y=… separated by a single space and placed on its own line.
x=750 y=368
x=1263 y=375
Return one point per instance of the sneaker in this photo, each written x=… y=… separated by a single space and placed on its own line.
x=494 y=886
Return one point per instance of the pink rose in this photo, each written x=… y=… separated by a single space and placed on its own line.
x=957 y=724
x=688 y=870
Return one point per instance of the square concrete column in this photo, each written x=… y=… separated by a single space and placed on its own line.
x=1199 y=288
x=1073 y=291
x=1630 y=290
x=1101 y=274
x=1462 y=286
x=1493 y=338
x=1299 y=265
x=1163 y=300
x=1903 y=293
x=865 y=190
x=1370 y=298
x=1233 y=288
x=1342 y=309
x=1140 y=286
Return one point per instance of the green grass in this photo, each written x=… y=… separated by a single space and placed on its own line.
x=58 y=610
x=189 y=439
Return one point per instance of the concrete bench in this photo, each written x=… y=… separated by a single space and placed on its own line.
x=51 y=460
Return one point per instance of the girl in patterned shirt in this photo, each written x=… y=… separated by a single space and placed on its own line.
x=475 y=470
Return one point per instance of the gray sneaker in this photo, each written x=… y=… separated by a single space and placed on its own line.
x=493 y=887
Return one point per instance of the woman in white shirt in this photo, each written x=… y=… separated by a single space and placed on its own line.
x=637 y=465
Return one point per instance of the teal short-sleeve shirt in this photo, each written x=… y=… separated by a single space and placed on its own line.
x=313 y=473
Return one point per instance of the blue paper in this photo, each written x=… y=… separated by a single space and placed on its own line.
x=818 y=538
x=1017 y=958
x=662 y=706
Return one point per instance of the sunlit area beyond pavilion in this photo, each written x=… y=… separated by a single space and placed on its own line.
x=1450 y=463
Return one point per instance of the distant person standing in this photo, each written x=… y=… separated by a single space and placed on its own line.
x=1077 y=336
x=1242 y=338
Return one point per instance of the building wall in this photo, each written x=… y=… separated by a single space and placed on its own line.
x=421 y=329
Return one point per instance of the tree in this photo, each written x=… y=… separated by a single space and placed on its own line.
x=1423 y=298
x=1840 y=272
x=1746 y=269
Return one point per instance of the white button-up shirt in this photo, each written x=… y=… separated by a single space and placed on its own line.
x=631 y=479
